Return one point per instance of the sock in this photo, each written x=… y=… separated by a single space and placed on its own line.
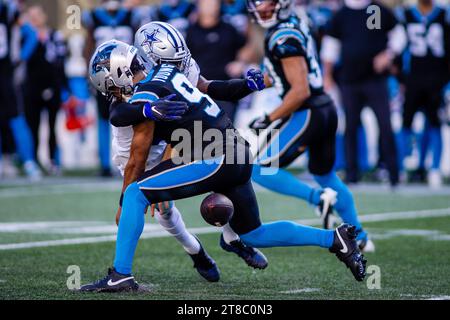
x=406 y=145
x=339 y=163
x=398 y=136
x=22 y=138
x=423 y=144
x=363 y=152
x=130 y=228
x=286 y=183
x=103 y=143
x=173 y=223
x=288 y=234
x=436 y=146
x=345 y=205
x=228 y=234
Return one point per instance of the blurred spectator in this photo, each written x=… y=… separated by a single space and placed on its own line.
x=214 y=44
x=365 y=55
x=178 y=13
x=427 y=71
x=45 y=80
x=11 y=118
x=234 y=12
x=107 y=22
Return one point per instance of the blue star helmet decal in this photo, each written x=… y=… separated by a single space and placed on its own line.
x=102 y=58
x=150 y=38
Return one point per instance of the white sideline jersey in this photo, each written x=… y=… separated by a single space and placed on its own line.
x=122 y=137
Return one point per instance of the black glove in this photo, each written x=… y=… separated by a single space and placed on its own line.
x=165 y=109
x=260 y=123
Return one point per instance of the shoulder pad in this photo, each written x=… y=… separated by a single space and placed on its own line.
x=281 y=35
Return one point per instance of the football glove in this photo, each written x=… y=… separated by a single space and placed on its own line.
x=260 y=123
x=255 y=80
x=165 y=109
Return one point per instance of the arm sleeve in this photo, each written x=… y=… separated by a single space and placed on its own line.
x=30 y=41
x=231 y=90
x=123 y=114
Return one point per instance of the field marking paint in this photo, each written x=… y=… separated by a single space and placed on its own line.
x=157 y=232
x=304 y=290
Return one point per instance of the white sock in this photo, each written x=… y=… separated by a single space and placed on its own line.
x=173 y=223
x=228 y=234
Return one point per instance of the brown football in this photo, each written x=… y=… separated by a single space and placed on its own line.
x=217 y=209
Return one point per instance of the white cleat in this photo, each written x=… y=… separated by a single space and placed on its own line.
x=434 y=179
x=366 y=246
x=324 y=210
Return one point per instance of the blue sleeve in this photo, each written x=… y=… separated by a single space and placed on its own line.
x=30 y=41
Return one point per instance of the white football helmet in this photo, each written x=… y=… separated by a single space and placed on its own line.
x=114 y=65
x=160 y=42
x=282 y=10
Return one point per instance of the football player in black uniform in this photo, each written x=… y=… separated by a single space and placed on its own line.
x=10 y=115
x=210 y=155
x=306 y=120
x=427 y=71
x=107 y=22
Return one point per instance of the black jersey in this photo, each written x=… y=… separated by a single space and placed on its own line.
x=428 y=42
x=8 y=17
x=203 y=113
x=120 y=25
x=289 y=38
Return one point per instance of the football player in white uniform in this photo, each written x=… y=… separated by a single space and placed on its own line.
x=233 y=90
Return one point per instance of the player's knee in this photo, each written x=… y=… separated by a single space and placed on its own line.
x=133 y=193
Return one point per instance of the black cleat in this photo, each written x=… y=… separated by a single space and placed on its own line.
x=113 y=282
x=205 y=265
x=253 y=257
x=346 y=249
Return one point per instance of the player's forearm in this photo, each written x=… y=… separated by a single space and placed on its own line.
x=230 y=90
x=293 y=100
x=124 y=114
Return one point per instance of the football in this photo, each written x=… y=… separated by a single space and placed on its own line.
x=217 y=209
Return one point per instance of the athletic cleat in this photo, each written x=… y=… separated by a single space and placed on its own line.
x=324 y=210
x=113 y=282
x=205 y=265
x=32 y=171
x=346 y=249
x=253 y=257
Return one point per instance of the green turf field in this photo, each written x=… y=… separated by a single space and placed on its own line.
x=411 y=229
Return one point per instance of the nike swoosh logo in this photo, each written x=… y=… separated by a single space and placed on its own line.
x=115 y=283
x=344 y=249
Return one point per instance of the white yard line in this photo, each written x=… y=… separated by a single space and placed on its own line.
x=304 y=290
x=159 y=233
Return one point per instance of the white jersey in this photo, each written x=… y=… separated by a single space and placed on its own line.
x=122 y=137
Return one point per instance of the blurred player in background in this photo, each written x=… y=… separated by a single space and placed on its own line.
x=10 y=115
x=306 y=118
x=427 y=71
x=45 y=80
x=179 y=13
x=109 y=21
